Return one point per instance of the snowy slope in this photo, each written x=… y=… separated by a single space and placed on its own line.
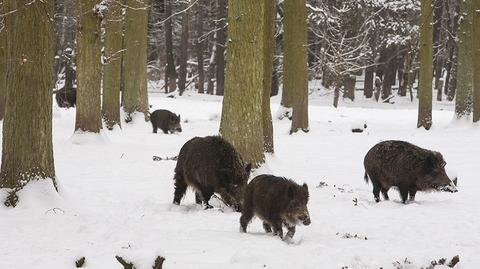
x=115 y=200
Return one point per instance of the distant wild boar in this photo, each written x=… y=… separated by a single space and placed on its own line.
x=406 y=166
x=276 y=201
x=211 y=165
x=66 y=97
x=166 y=121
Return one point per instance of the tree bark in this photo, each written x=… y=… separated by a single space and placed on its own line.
x=269 y=48
x=464 y=98
x=3 y=65
x=349 y=86
x=182 y=78
x=135 y=94
x=27 y=150
x=221 y=45
x=241 y=122
x=89 y=112
x=368 y=83
x=295 y=61
x=476 y=61
x=200 y=47
x=426 y=66
x=170 y=71
x=112 y=67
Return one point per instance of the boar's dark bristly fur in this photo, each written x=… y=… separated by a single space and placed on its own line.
x=211 y=165
x=406 y=166
x=276 y=201
x=166 y=121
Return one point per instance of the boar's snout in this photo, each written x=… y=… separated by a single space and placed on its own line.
x=179 y=129
x=305 y=220
x=449 y=188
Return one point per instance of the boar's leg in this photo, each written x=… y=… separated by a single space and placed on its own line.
x=198 y=198
x=267 y=227
x=411 y=192
x=376 y=191
x=277 y=227
x=180 y=188
x=247 y=215
x=385 y=194
x=403 y=193
x=155 y=129
x=291 y=230
x=206 y=195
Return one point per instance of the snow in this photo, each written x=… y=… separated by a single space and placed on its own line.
x=114 y=200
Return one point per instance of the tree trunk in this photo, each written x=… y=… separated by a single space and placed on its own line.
x=200 y=47
x=295 y=61
x=112 y=67
x=453 y=25
x=269 y=48
x=476 y=61
x=211 y=72
x=426 y=66
x=27 y=151
x=182 y=78
x=368 y=83
x=350 y=81
x=464 y=98
x=89 y=109
x=242 y=119
x=135 y=94
x=3 y=65
x=221 y=44
x=170 y=71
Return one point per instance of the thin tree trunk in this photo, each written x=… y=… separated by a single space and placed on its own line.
x=221 y=44
x=244 y=81
x=135 y=94
x=89 y=112
x=170 y=71
x=464 y=95
x=426 y=65
x=350 y=81
x=269 y=48
x=296 y=70
x=182 y=78
x=200 y=47
x=368 y=83
x=476 y=61
x=3 y=65
x=112 y=67
x=27 y=150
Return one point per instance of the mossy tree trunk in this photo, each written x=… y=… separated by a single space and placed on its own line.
x=426 y=66
x=112 y=71
x=27 y=151
x=135 y=59
x=269 y=48
x=89 y=110
x=295 y=74
x=242 y=119
x=476 y=61
x=464 y=99
x=3 y=64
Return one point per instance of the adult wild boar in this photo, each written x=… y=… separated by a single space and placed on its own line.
x=166 y=121
x=211 y=165
x=406 y=166
x=277 y=201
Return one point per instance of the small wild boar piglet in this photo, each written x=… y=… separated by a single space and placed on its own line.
x=407 y=167
x=277 y=201
x=211 y=165
x=166 y=121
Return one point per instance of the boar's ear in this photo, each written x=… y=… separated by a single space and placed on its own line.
x=291 y=192
x=305 y=187
x=248 y=168
x=455 y=181
x=179 y=117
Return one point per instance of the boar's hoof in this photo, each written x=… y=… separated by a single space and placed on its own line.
x=207 y=206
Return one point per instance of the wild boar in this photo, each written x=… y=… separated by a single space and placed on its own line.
x=211 y=165
x=276 y=201
x=166 y=121
x=407 y=167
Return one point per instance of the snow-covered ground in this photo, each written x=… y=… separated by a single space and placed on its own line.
x=114 y=199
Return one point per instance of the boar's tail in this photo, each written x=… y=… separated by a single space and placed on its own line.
x=365 y=177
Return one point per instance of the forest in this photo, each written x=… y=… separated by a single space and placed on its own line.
x=267 y=123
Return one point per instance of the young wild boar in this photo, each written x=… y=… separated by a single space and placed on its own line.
x=277 y=201
x=211 y=165
x=166 y=121
x=406 y=166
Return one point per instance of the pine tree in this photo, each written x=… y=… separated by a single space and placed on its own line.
x=113 y=65
x=135 y=96
x=463 y=100
x=241 y=122
x=426 y=66
x=476 y=60
x=89 y=114
x=295 y=61
x=27 y=150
